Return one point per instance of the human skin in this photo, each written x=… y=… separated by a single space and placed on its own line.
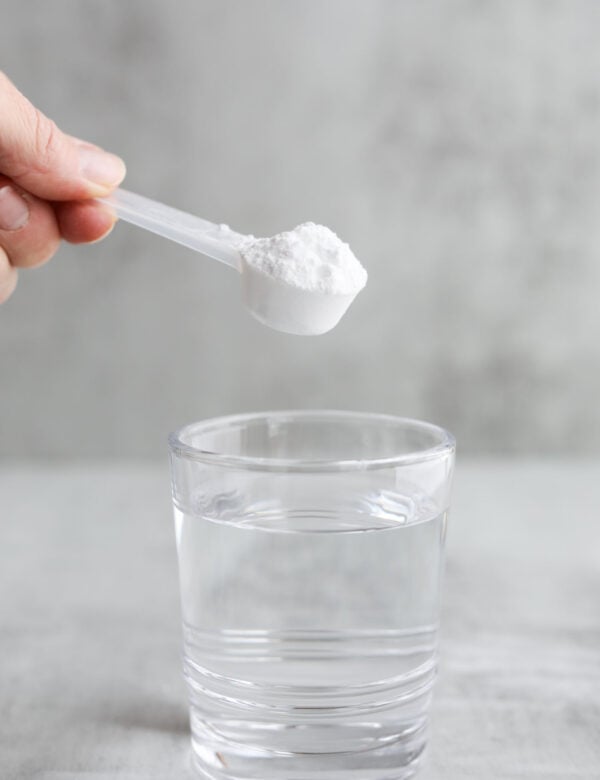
x=48 y=182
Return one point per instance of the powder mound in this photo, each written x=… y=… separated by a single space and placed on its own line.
x=309 y=257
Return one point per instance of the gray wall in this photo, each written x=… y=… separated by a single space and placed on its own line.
x=454 y=144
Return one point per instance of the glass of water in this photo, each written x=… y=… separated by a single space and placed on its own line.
x=310 y=552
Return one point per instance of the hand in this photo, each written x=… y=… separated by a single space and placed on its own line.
x=47 y=183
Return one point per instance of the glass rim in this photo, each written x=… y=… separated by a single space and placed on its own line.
x=445 y=445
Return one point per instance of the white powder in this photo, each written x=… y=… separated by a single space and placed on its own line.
x=310 y=257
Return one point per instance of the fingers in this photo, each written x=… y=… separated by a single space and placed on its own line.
x=47 y=181
x=45 y=161
x=84 y=221
x=29 y=233
x=31 y=229
x=8 y=277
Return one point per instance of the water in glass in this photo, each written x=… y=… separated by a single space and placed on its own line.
x=310 y=627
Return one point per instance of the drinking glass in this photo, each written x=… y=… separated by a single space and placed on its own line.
x=310 y=549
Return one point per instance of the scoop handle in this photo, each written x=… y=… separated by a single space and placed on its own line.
x=216 y=241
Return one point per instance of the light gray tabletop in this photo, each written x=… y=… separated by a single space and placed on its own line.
x=90 y=684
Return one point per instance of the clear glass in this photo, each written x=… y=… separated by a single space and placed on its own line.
x=310 y=552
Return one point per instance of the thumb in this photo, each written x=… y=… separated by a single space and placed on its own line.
x=43 y=160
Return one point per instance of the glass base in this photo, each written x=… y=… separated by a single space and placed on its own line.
x=218 y=759
x=356 y=710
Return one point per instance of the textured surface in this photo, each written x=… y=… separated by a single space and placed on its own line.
x=311 y=257
x=454 y=145
x=89 y=640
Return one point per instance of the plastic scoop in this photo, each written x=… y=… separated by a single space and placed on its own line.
x=273 y=302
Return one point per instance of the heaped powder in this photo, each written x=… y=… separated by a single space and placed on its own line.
x=310 y=257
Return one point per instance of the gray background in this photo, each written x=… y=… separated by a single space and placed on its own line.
x=455 y=146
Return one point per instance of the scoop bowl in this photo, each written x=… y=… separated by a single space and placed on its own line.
x=291 y=309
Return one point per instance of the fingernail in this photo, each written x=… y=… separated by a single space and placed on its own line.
x=101 y=167
x=14 y=211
